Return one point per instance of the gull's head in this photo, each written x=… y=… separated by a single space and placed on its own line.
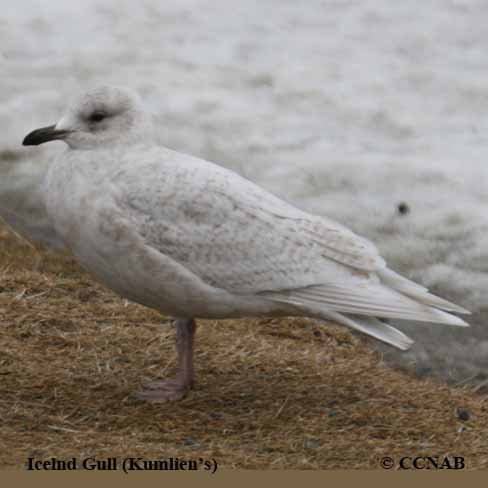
x=102 y=117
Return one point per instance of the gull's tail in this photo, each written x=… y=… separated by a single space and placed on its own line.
x=393 y=297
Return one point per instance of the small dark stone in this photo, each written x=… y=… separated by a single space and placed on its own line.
x=463 y=414
x=189 y=441
x=403 y=208
x=216 y=415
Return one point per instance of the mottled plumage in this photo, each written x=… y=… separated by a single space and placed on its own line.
x=193 y=239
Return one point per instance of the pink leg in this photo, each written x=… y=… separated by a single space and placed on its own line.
x=176 y=388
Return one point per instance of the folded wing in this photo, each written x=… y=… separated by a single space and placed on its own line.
x=235 y=236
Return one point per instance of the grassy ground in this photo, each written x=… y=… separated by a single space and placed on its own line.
x=270 y=394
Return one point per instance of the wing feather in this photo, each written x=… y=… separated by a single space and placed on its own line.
x=235 y=235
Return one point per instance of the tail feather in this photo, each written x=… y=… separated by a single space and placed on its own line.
x=371 y=299
x=417 y=292
x=358 y=303
x=375 y=328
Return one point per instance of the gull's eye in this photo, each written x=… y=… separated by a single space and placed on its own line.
x=97 y=116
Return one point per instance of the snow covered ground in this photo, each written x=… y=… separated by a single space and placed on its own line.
x=344 y=107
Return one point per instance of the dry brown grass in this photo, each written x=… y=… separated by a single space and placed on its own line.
x=270 y=393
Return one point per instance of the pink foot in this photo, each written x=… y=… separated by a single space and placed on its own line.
x=163 y=391
x=175 y=389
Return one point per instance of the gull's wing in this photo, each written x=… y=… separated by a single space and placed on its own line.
x=234 y=235
x=224 y=231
